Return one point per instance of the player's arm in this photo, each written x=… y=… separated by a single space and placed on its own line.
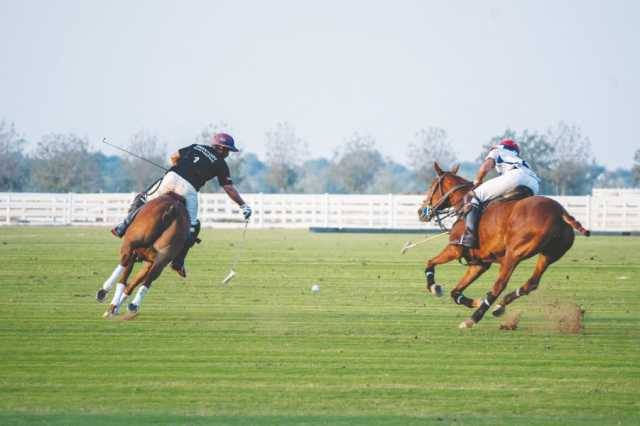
x=233 y=193
x=485 y=167
x=175 y=157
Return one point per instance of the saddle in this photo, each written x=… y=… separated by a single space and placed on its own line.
x=518 y=193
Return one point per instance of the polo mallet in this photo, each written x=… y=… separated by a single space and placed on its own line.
x=409 y=245
x=104 y=141
x=232 y=272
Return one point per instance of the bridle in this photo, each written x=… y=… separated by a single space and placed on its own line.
x=430 y=211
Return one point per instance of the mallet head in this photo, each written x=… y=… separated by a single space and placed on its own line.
x=406 y=247
x=228 y=278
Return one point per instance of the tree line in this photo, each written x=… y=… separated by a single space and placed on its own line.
x=65 y=162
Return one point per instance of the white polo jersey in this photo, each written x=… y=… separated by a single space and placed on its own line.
x=513 y=171
x=507 y=160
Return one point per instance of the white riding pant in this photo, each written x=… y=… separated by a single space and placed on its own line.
x=505 y=183
x=173 y=182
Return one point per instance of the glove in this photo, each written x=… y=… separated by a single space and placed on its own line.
x=246 y=211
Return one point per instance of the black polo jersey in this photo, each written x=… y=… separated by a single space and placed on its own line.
x=199 y=163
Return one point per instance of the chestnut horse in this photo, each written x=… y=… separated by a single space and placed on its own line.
x=509 y=232
x=157 y=235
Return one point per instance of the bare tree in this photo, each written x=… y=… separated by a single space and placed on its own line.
x=394 y=178
x=356 y=164
x=15 y=170
x=62 y=162
x=430 y=145
x=635 y=170
x=315 y=178
x=573 y=170
x=148 y=146
x=285 y=152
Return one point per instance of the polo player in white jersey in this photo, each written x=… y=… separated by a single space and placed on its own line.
x=513 y=171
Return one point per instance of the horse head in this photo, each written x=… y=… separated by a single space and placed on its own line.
x=446 y=190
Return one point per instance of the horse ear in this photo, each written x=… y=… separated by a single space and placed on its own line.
x=455 y=169
x=437 y=168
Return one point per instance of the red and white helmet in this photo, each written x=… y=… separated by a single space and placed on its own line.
x=510 y=145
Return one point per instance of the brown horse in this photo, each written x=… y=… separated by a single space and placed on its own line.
x=156 y=236
x=509 y=232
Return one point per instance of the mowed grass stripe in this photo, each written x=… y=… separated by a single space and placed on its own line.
x=372 y=345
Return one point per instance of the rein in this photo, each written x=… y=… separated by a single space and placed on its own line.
x=440 y=216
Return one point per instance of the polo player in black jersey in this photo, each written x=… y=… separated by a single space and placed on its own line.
x=192 y=167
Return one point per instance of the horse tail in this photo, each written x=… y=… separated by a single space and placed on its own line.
x=571 y=221
x=168 y=215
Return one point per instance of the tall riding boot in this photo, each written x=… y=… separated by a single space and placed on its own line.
x=138 y=202
x=177 y=264
x=469 y=238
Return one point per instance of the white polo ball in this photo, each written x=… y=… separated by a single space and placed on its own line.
x=315 y=288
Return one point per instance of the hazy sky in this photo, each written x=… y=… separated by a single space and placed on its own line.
x=330 y=68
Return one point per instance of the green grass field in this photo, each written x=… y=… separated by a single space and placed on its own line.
x=371 y=348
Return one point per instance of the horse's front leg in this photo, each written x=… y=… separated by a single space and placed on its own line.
x=450 y=252
x=472 y=274
x=119 y=295
x=102 y=292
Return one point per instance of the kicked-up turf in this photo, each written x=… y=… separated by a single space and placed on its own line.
x=371 y=347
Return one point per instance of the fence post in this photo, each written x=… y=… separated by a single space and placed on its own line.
x=604 y=215
x=371 y=212
x=261 y=210
x=326 y=209
x=69 y=212
x=391 y=201
x=8 y=208
x=588 y=211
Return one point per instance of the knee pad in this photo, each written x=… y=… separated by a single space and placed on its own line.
x=194 y=231
x=195 y=228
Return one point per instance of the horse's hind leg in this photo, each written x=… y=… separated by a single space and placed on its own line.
x=450 y=252
x=554 y=251
x=506 y=269
x=153 y=271
x=532 y=283
x=472 y=274
x=139 y=278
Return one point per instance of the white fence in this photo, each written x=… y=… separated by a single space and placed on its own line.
x=615 y=212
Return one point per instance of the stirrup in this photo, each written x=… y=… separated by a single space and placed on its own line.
x=467 y=240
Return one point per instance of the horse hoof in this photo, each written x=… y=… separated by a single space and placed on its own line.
x=466 y=324
x=499 y=311
x=131 y=315
x=107 y=314
x=101 y=295
x=133 y=307
x=436 y=290
x=476 y=303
